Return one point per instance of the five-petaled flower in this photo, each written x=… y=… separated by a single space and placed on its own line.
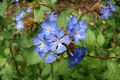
x=77 y=58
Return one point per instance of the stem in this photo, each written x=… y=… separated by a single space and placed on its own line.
x=104 y=50
x=101 y=57
x=69 y=50
x=51 y=68
x=15 y=63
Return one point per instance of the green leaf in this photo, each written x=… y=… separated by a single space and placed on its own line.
x=46 y=71
x=100 y=40
x=39 y=14
x=3 y=23
x=7 y=52
x=3 y=7
x=60 y=67
x=34 y=58
x=2 y=61
x=113 y=71
x=90 y=39
x=53 y=2
x=19 y=58
x=111 y=22
x=93 y=62
x=9 y=72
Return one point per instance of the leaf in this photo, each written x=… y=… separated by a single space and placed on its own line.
x=19 y=58
x=46 y=70
x=2 y=61
x=100 y=40
x=3 y=7
x=60 y=67
x=113 y=71
x=39 y=14
x=34 y=58
x=9 y=72
x=94 y=62
x=3 y=23
x=90 y=39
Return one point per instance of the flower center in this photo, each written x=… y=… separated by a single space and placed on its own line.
x=58 y=41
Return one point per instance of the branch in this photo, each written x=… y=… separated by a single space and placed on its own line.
x=101 y=57
x=15 y=62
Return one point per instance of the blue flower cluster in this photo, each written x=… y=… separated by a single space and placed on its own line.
x=17 y=2
x=106 y=12
x=19 y=23
x=77 y=58
x=77 y=30
x=51 y=40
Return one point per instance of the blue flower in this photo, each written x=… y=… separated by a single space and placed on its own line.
x=28 y=9
x=78 y=32
x=52 y=17
x=56 y=41
x=72 y=21
x=42 y=45
x=16 y=0
x=51 y=57
x=106 y=13
x=77 y=58
x=111 y=6
x=19 y=24
x=17 y=3
x=19 y=16
x=49 y=27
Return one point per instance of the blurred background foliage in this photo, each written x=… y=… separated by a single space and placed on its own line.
x=19 y=61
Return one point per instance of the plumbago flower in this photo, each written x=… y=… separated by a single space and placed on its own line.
x=19 y=24
x=49 y=27
x=72 y=21
x=56 y=41
x=105 y=13
x=19 y=16
x=77 y=58
x=113 y=9
x=52 y=17
x=78 y=32
x=28 y=9
x=43 y=50
x=17 y=2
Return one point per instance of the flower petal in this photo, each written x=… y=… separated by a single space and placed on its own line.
x=61 y=48
x=51 y=57
x=37 y=41
x=65 y=40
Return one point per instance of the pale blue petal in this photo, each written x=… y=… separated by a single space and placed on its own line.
x=65 y=40
x=53 y=46
x=61 y=48
x=51 y=57
x=37 y=41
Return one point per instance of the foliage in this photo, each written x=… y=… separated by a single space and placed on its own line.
x=95 y=56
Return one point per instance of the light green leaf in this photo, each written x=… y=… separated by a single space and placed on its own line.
x=9 y=72
x=2 y=61
x=60 y=67
x=46 y=71
x=39 y=14
x=113 y=71
x=90 y=39
x=3 y=7
x=34 y=58
x=100 y=40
